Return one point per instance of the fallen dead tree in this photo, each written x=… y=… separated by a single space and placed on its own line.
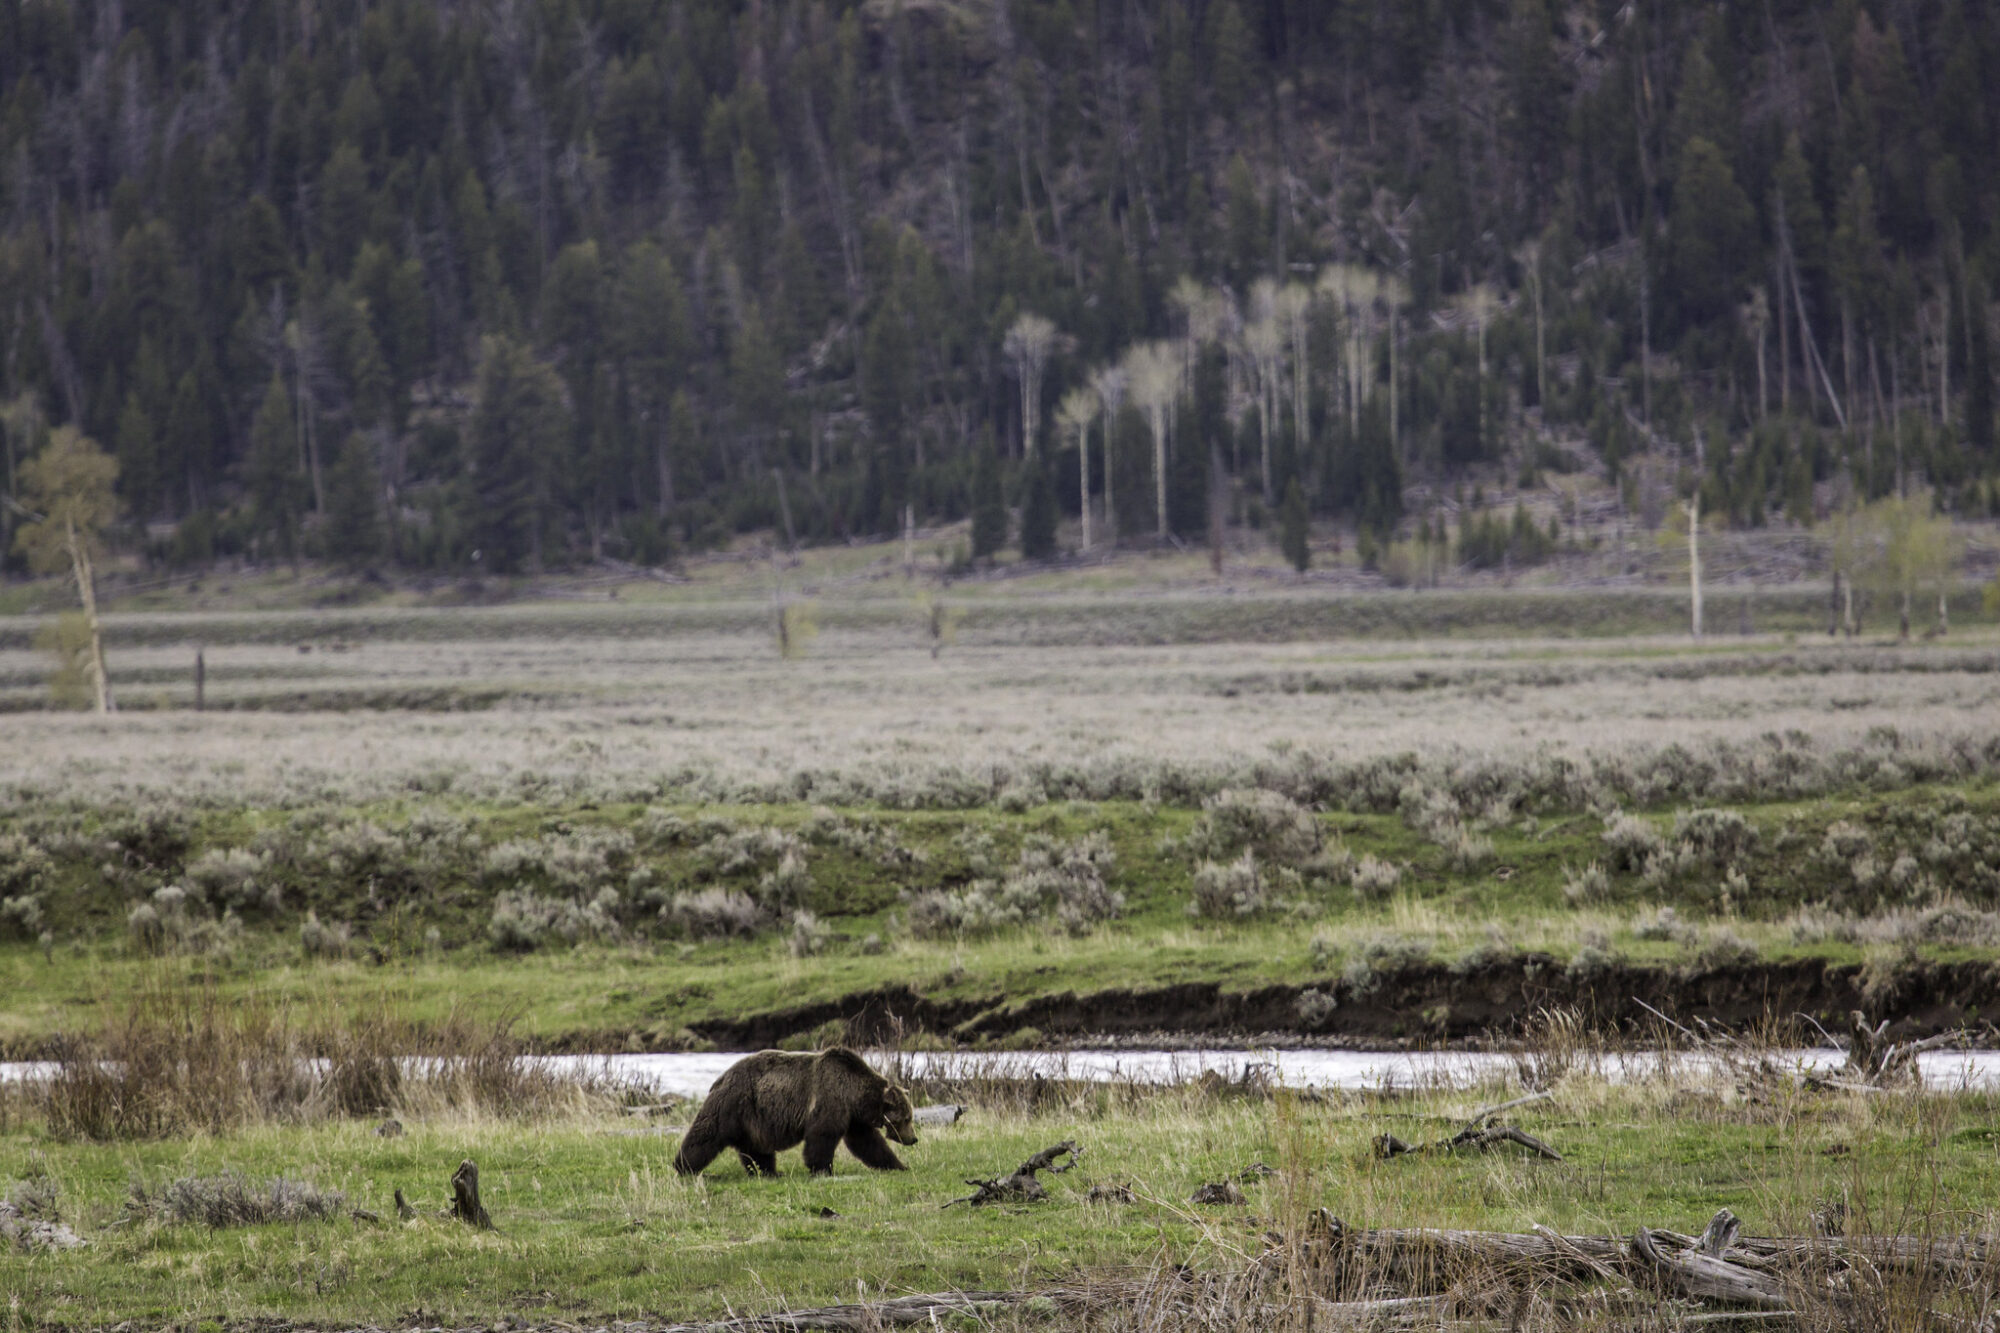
x=1335 y=1277
x=1720 y=1268
x=1020 y=1186
x=1479 y=1135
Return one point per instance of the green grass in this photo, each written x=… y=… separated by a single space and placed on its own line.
x=594 y=1223
x=652 y=987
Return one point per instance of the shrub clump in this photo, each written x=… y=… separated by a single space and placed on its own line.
x=235 y=877
x=1237 y=889
x=524 y=920
x=1374 y=879
x=1592 y=884
x=1050 y=878
x=25 y=867
x=1314 y=1007
x=234 y=1200
x=1381 y=957
x=330 y=939
x=1267 y=822
x=810 y=935
x=713 y=914
x=1630 y=841
x=173 y=921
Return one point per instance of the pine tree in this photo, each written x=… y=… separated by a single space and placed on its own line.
x=354 y=505
x=514 y=442
x=1038 y=514
x=989 y=505
x=1713 y=231
x=1292 y=527
x=272 y=470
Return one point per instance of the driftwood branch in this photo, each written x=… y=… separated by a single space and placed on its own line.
x=1388 y=1145
x=465 y=1204
x=1874 y=1059
x=1021 y=1186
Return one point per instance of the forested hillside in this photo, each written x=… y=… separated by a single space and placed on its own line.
x=516 y=284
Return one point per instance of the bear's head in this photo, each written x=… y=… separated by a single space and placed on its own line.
x=899 y=1122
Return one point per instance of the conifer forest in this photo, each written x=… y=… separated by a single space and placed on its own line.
x=521 y=285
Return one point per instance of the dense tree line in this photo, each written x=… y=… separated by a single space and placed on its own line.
x=515 y=284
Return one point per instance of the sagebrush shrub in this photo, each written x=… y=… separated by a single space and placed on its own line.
x=1270 y=823
x=24 y=866
x=1375 y=878
x=713 y=913
x=1237 y=889
x=1588 y=885
x=810 y=935
x=330 y=939
x=235 y=877
x=1630 y=841
x=524 y=920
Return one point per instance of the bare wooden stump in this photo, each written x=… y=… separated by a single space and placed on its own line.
x=465 y=1204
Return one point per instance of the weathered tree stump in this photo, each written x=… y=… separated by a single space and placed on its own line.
x=465 y=1204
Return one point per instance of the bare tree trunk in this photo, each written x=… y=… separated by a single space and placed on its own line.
x=1784 y=345
x=1160 y=468
x=1083 y=478
x=1694 y=561
x=1110 y=513
x=86 y=590
x=1763 y=394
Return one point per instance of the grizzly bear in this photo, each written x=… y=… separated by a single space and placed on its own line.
x=767 y=1102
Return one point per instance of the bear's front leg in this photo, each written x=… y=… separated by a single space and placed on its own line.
x=820 y=1144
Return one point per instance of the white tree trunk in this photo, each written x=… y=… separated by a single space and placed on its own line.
x=1083 y=478
x=1110 y=514
x=1694 y=562
x=86 y=588
x=1160 y=468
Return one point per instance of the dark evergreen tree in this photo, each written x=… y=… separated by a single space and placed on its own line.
x=1293 y=525
x=989 y=505
x=515 y=440
x=1038 y=513
x=272 y=472
x=353 y=529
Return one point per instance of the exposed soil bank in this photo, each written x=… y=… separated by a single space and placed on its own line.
x=1424 y=1004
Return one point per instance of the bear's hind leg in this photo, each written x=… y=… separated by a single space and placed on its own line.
x=867 y=1144
x=758 y=1163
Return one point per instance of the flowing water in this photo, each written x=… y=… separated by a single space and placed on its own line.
x=690 y=1074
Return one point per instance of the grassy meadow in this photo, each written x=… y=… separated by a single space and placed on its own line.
x=1017 y=814
x=593 y=1223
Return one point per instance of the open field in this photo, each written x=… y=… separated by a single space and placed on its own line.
x=638 y=710
x=441 y=805
x=1358 y=820
x=593 y=1223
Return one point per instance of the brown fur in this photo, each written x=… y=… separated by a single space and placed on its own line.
x=768 y=1102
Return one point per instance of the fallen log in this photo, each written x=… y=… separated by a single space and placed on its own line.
x=1705 y=1277
x=1427 y=1258
x=1021 y=1186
